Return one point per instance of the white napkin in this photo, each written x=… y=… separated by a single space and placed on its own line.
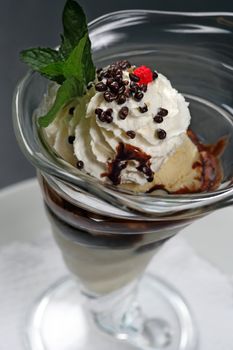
x=27 y=269
x=208 y=291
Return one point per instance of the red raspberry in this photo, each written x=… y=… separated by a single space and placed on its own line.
x=145 y=74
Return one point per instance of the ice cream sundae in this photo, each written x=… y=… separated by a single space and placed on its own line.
x=126 y=126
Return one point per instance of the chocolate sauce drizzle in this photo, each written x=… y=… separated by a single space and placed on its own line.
x=211 y=174
x=125 y=153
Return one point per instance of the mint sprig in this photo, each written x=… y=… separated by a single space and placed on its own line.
x=71 y=66
x=69 y=89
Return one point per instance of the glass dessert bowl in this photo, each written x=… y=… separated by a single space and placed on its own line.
x=108 y=235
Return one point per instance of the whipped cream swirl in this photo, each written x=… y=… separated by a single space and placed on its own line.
x=96 y=142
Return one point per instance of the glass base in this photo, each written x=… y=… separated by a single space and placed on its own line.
x=60 y=321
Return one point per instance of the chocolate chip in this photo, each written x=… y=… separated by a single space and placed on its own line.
x=109 y=111
x=109 y=97
x=121 y=90
x=99 y=70
x=124 y=111
x=102 y=117
x=163 y=112
x=155 y=75
x=106 y=74
x=80 y=165
x=161 y=134
x=150 y=179
x=158 y=119
x=108 y=118
x=98 y=111
x=144 y=88
x=127 y=93
x=148 y=171
x=121 y=99
x=133 y=87
x=125 y=82
x=71 y=110
x=125 y=64
x=118 y=78
x=118 y=72
x=105 y=116
x=134 y=77
x=144 y=169
x=101 y=87
x=100 y=75
x=114 y=86
x=109 y=73
x=71 y=139
x=109 y=81
x=143 y=109
x=131 y=134
x=138 y=96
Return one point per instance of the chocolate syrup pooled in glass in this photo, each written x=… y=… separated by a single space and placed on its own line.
x=105 y=253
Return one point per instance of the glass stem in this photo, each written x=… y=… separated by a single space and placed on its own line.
x=118 y=313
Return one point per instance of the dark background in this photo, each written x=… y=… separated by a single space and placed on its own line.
x=30 y=23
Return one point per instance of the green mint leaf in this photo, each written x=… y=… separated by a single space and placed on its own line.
x=67 y=91
x=54 y=71
x=65 y=48
x=74 y=64
x=75 y=26
x=38 y=58
x=88 y=64
x=45 y=61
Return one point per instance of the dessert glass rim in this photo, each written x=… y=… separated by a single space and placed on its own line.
x=160 y=12
x=49 y=164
